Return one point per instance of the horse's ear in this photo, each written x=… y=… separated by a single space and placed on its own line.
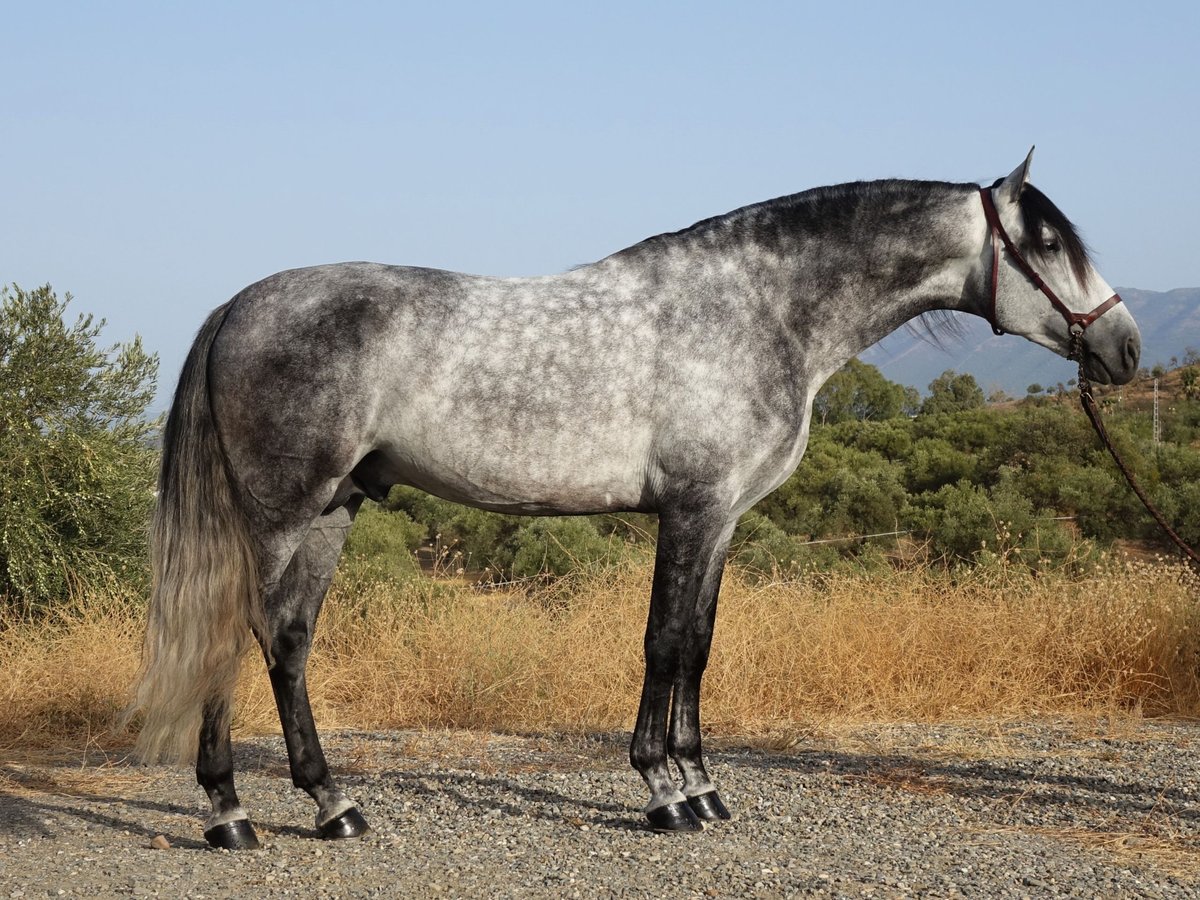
x=1011 y=187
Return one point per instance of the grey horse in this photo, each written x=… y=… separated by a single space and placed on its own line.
x=676 y=377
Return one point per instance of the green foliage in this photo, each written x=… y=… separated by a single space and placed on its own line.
x=77 y=467
x=967 y=522
x=951 y=392
x=858 y=392
x=761 y=546
x=556 y=546
x=1181 y=506
x=959 y=518
x=839 y=489
x=935 y=462
x=1189 y=378
x=508 y=546
x=381 y=545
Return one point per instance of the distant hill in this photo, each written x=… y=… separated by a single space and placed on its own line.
x=1169 y=321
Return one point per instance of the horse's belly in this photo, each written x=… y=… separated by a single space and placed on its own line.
x=537 y=474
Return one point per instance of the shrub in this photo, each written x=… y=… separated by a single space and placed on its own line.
x=762 y=547
x=951 y=393
x=380 y=546
x=556 y=546
x=858 y=391
x=77 y=467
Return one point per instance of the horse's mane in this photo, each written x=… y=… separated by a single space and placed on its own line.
x=807 y=208
x=835 y=201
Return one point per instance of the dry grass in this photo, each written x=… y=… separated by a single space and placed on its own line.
x=834 y=648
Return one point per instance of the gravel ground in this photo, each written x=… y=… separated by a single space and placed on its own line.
x=993 y=810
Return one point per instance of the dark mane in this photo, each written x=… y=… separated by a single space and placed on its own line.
x=1037 y=210
x=815 y=209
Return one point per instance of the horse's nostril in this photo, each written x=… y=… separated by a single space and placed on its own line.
x=1133 y=351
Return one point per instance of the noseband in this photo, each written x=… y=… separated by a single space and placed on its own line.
x=1076 y=322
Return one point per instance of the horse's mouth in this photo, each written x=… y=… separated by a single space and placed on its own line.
x=1096 y=370
x=1102 y=371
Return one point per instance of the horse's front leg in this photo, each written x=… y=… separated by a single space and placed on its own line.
x=689 y=536
x=683 y=741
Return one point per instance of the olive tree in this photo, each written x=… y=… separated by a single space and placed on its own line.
x=77 y=458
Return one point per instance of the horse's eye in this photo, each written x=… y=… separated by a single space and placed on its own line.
x=1052 y=245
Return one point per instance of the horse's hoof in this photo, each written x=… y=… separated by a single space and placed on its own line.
x=674 y=817
x=349 y=824
x=236 y=835
x=709 y=806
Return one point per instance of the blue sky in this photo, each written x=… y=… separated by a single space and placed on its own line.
x=157 y=157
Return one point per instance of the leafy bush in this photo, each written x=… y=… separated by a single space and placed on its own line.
x=510 y=546
x=77 y=468
x=966 y=522
x=381 y=545
x=858 y=391
x=762 y=547
x=951 y=392
x=934 y=462
x=963 y=520
x=556 y=546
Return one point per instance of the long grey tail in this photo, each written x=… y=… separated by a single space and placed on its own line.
x=205 y=600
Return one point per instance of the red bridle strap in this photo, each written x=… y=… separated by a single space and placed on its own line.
x=1074 y=320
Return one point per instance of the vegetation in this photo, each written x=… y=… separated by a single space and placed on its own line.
x=76 y=462
x=837 y=647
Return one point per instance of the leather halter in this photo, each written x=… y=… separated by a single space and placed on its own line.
x=1076 y=322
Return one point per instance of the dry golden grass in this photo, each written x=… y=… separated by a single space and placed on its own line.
x=832 y=648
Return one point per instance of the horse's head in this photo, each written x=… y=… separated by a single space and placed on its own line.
x=1043 y=286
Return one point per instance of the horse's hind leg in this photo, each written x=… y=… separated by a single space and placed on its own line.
x=292 y=610
x=690 y=538
x=292 y=605
x=227 y=827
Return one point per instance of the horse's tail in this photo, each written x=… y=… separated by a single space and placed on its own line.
x=205 y=600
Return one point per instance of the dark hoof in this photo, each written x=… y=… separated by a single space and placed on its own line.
x=349 y=824
x=674 y=817
x=709 y=806
x=236 y=835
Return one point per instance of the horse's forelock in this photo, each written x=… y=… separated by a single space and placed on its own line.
x=1037 y=210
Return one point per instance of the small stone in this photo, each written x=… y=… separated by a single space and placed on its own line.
x=160 y=842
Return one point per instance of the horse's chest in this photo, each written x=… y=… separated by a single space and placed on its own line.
x=773 y=465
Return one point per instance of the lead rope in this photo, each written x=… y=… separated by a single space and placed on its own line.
x=1088 y=401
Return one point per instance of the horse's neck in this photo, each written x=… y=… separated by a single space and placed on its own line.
x=837 y=289
x=847 y=292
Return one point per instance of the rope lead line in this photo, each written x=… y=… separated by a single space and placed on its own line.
x=1088 y=401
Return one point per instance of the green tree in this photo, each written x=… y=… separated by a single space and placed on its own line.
x=1189 y=379
x=858 y=391
x=76 y=460
x=951 y=392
